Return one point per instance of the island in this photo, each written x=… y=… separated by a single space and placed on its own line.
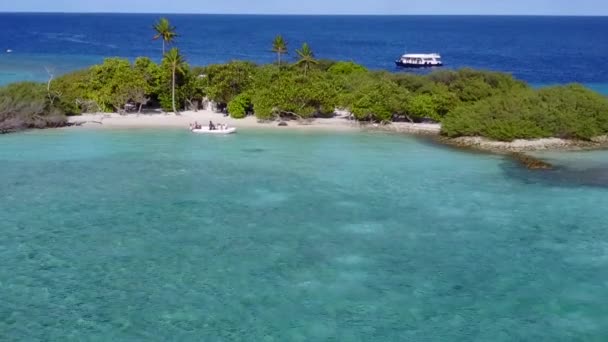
x=471 y=108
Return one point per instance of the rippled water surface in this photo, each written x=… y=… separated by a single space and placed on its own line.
x=541 y=50
x=142 y=235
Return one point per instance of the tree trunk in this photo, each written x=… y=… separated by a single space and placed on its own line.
x=279 y=56
x=163 y=47
x=173 y=92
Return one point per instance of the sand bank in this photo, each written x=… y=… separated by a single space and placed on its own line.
x=340 y=122
x=184 y=119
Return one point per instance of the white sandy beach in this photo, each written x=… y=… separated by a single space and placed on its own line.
x=340 y=123
x=184 y=119
x=170 y=120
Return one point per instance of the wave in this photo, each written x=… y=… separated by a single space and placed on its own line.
x=76 y=38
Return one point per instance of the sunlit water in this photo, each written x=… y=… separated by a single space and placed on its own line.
x=141 y=235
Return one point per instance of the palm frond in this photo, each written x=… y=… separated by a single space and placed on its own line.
x=164 y=30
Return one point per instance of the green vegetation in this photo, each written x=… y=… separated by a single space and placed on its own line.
x=466 y=102
x=176 y=63
x=240 y=106
x=307 y=57
x=27 y=105
x=164 y=31
x=346 y=68
x=571 y=112
x=279 y=46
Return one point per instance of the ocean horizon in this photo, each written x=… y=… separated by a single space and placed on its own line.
x=304 y=14
x=553 y=54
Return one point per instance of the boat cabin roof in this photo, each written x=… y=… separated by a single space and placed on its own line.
x=421 y=55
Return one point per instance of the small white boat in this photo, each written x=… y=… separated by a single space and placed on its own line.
x=9 y=51
x=206 y=130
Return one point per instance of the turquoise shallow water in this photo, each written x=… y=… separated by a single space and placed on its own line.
x=33 y=68
x=141 y=235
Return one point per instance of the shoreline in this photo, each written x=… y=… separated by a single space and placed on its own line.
x=526 y=145
x=184 y=119
x=339 y=123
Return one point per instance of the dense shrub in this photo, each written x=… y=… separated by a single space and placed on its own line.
x=567 y=112
x=73 y=93
x=240 y=106
x=293 y=94
x=115 y=82
x=27 y=105
x=225 y=81
x=376 y=99
x=474 y=85
x=346 y=68
x=423 y=106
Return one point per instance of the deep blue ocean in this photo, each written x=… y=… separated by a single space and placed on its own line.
x=540 y=50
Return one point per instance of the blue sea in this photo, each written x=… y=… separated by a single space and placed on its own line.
x=146 y=235
x=540 y=50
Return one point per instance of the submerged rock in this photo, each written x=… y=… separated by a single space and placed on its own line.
x=531 y=163
x=253 y=150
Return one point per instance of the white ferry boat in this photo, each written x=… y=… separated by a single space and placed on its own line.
x=419 y=60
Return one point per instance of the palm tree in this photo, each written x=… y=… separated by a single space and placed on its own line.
x=164 y=31
x=176 y=61
x=307 y=57
x=279 y=46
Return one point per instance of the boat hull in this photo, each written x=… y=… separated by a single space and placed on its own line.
x=410 y=65
x=206 y=130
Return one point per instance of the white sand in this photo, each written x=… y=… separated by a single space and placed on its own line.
x=338 y=123
x=101 y=120
x=414 y=128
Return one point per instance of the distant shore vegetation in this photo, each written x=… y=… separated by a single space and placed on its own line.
x=466 y=102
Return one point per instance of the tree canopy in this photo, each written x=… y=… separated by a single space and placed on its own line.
x=467 y=102
x=279 y=46
x=306 y=57
x=164 y=31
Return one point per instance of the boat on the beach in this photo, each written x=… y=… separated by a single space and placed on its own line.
x=419 y=60
x=206 y=130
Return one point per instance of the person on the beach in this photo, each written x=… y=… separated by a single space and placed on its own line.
x=211 y=126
